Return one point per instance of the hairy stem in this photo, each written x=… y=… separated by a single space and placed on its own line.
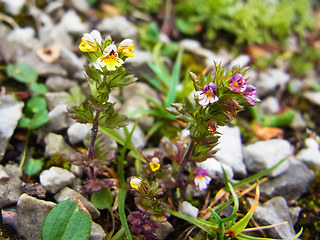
x=179 y=179
x=92 y=148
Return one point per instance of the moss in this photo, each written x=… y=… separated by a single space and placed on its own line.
x=309 y=217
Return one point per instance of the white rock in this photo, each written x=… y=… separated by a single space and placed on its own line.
x=14 y=7
x=3 y=174
x=270 y=79
x=186 y=208
x=242 y=61
x=55 y=145
x=72 y=23
x=269 y=105
x=77 y=132
x=76 y=170
x=56 y=98
x=311 y=143
x=298 y=123
x=310 y=156
x=118 y=26
x=59 y=118
x=97 y=232
x=58 y=83
x=55 y=179
x=313 y=97
x=10 y=113
x=262 y=155
x=138 y=137
x=230 y=149
x=214 y=169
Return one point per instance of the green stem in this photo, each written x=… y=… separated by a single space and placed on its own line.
x=24 y=154
x=182 y=165
x=123 y=190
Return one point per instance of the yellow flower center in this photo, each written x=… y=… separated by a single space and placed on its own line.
x=209 y=94
x=200 y=178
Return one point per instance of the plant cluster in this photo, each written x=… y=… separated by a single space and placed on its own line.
x=159 y=179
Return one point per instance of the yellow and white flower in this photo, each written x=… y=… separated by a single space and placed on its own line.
x=135 y=183
x=109 y=58
x=154 y=164
x=90 y=42
x=126 y=48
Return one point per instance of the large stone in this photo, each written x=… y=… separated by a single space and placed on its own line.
x=77 y=132
x=42 y=68
x=31 y=214
x=71 y=21
x=241 y=61
x=138 y=138
x=14 y=7
x=263 y=155
x=97 y=232
x=313 y=97
x=270 y=79
x=59 y=119
x=290 y=184
x=58 y=83
x=275 y=211
x=118 y=26
x=68 y=193
x=56 y=98
x=230 y=150
x=56 y=178
x=10 y=113
x=269 y=105
x=55 y=145
x=18 y=42
x=188 y=209
x=10 y=185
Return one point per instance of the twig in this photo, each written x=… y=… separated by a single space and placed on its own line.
x=179 y=179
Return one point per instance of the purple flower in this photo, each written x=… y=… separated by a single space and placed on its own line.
x=207 y=94
x=201 y=180
x=249 y=94
x=237 y=83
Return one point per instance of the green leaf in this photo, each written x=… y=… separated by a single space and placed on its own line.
x=243 y=222
x=24 y=122
x=38 y=88
x=207 y=226
x=247 y=237
x=175 y=76
x=39 y=119
x=102 y=199
x=67 y=221
x=22 y=72
x=33 y=166
x=279 y=120
x=82 y=113
x=35 y=104
x=185 y=26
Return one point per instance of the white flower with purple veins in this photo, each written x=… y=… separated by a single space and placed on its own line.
x=207 y=94
x=249 y=94
x=201 y=180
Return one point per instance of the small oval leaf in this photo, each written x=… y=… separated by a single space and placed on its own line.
x=33 y=166
x=22 y=72
x=102 y=199
x=67 y=221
